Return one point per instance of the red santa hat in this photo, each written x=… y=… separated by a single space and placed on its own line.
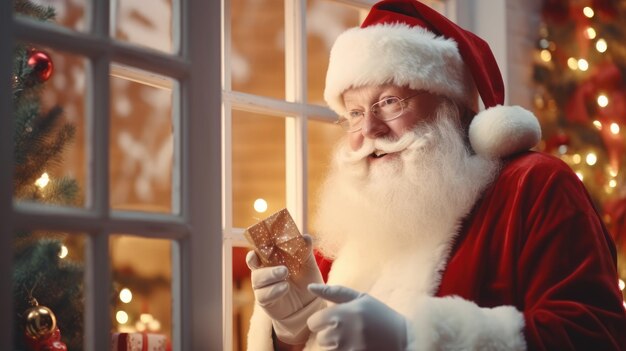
x=406 y=43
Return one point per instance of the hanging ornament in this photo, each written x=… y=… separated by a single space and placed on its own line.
x=41 y=64
x=40 y=331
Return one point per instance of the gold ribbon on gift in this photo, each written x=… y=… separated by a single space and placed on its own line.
x=277 y=241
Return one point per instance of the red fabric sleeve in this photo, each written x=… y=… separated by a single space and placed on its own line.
x=567 y=267
x=323 y=263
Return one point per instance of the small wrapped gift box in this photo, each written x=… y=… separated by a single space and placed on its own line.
x=277 y=241
x=138 y=342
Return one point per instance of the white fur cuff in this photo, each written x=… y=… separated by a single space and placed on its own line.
x=453 y=323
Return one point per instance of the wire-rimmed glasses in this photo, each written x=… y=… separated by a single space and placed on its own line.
x=387 y=109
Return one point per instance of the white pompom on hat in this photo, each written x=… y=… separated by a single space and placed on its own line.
x=406 y=43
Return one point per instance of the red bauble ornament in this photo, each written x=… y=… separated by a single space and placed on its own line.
x=41 y=64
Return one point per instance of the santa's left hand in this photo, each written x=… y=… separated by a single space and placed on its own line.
x=357 y=321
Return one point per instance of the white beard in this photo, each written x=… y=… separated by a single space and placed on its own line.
x=404 y=202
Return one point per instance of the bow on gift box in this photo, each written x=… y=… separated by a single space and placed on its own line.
x=277 y=241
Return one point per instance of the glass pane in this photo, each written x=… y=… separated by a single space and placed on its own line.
x=258 y=47
x=142 y=148
x=325 y=21
x=48 y=267
x=149 y=25
x=243 y=299
x=258 y=166
x=142 y=287
x=323 y=136
x=49 y=104
x=67 y=13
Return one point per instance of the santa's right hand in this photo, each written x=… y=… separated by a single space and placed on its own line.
x=286 y=299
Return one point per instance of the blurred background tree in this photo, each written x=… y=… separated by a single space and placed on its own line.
x=580 y=73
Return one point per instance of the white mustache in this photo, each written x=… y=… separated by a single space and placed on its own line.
x=408 y=141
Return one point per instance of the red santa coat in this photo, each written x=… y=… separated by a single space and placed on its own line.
x=531 y=267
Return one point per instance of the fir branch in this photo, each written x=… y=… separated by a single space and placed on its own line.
x=27 y=8
x=63 y=191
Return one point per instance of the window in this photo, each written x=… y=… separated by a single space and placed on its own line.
x=140 y=87
x=277 y=133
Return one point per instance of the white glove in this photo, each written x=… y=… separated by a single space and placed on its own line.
x=286 y=300
x=357 y=322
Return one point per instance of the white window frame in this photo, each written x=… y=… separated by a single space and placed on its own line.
x=195 y=226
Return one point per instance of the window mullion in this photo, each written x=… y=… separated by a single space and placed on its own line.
x=98 y=271
x=6 y=176
x=295 y=126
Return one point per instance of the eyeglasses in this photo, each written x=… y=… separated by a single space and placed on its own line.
x=387 y=109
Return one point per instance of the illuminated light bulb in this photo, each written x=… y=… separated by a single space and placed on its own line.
x=603 y=100
x=126 y=295
x=591 y=159
x=613 y=172
x=597 y=124
x=590 y=33
x=576 y=158
x=614 y=128
x=572 y=63
x=562 y=149
x=43 y=181
x=580 y=176
x=140 y=327
x=612 y=183
x=601 y=45
x=64 y=251
x=145 y=318
x=622 y=285
x=154 y=325
x=583 y=65
x=588 y=12
x=544 y=43
x=260 y=205
x=545 y=55
x=121 y=317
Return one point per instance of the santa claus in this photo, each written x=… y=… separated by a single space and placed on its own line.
x=437 y=229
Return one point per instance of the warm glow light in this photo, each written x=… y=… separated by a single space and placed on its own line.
x=622 y=285
x=154 y=325
x=546 y=56
x=603 y=100
x=601 y=45
x=588 y=12
x=614 y=128
x=590 y=33
x=591 y=159
x=42 y=181
x=612 y=183
x=576 y=158
x=121 y=317
x=598 y=124
x=579 y=175
x=260 y=205
x=126 y=295
x=145 y=318
x=613 y=172
x=63 y=253
x=583 y=65
x=572 y=63
x=140 y=327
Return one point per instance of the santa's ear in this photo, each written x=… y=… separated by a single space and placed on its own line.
x=501 y=131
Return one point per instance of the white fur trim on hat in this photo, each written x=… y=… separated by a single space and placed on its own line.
x=453 y=323
x=502 y=131
x=397 y=54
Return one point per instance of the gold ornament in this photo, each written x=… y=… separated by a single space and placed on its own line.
x=40 y=321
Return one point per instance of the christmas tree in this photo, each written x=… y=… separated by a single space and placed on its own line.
x=39 y=140
x=580 y=71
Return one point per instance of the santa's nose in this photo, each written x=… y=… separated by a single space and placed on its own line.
x=373 y=127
